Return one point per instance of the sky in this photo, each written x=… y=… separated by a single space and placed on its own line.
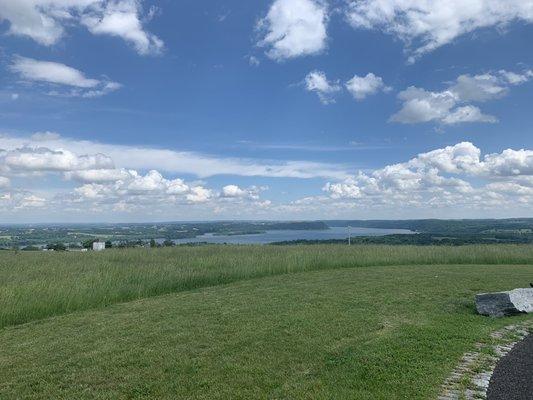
x=132 y=110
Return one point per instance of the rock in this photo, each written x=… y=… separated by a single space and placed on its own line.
x=501 y=304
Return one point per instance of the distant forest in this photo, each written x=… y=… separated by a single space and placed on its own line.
x=437 y=232
x=444 y=226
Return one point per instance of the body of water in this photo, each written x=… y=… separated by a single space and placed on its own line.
x=286 y=235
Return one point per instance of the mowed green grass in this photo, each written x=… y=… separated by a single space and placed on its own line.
x=36 y=285
x=392 y=332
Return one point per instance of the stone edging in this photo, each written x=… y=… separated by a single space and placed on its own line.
x=470 y=379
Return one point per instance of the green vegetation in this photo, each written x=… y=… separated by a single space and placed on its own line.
x=425 y=239
x=36 y=285
x=443 y=226
x=241 y=322
x=352 y=333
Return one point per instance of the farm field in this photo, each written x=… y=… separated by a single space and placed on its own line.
x=298 y=322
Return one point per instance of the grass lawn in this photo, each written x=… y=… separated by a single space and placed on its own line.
x=385 y=332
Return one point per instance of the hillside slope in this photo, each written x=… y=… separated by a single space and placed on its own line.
x=358 y=333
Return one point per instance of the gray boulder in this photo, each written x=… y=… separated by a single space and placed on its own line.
x=501 y=304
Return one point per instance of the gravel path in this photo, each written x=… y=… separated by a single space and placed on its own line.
x=513 y=377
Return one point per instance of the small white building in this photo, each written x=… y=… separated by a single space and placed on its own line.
x=98 y=246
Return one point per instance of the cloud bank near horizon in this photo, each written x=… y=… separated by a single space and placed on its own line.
x=105 y=177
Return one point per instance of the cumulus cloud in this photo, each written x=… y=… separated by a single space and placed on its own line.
x=514 y=78
x=427 y=25
x=233 y=191
x=99 y=175
x=39 y=159
x=138 y=192
x=294 y=28
x=46 y=21
x=480 y=88
x=102 y=187
x=362 y=86
x=467 y=114
x=31 y=201
x=420 y=105
x=316 y=81
x=135 y=187
x=61 y=75
x=359 y=87
x=21 y=200
x=451 y=106
x=236 y=192
x=101 y=180
x=454 y=175
x=199 y=194
x=121 y=19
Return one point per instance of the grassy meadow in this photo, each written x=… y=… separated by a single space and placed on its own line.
x=35 y=285
x=243 y=322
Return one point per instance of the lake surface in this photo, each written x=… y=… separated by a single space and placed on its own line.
x=285 y=235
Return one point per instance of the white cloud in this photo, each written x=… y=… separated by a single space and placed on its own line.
x=31 y=201
x=479 y=87
x=152 y=191
x=183 y=162
x=427 y=25
x=467 y=114
x=362 y=86
x=39 y=159
x=510 y=163
x=4 y=182
x=516 y=78
x=451 y=106
x=316 y=81
x=236 y=192
x=134 y=186
x=132 y=191
x=105 y=88
x=452 y=176
x=233 y=191
x=359 y=86
x=454 y=181
x=51 y=72
x=253 y=61
x=101 y=175
x=45 y=136
x=420 y=105
x=199 y=194
x=137 y=191
x=20 y=200
x=122 y=19
x=294 y=28
x=45 y=21
x=57 y=74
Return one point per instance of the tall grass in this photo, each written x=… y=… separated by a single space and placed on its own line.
x=36 y=285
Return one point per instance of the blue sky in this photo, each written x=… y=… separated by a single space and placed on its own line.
x=289 y=109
